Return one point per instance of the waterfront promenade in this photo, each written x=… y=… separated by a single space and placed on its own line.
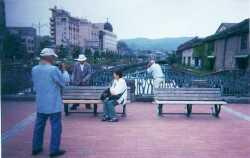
x=142 y=134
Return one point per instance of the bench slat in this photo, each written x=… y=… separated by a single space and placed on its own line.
x=86 y=97
x=190 y=102
x=82 y=97
x=188 y=95
x=88 y=87
x=186 y=92
x=82 y=94
x=188 y=98
x=187 y=89
x=86 y=101
x=83 y=90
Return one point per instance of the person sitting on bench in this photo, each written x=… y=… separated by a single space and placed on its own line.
x=118 y=95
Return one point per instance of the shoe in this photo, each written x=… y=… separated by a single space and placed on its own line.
x=58 y=153
x=105 y=118
x=36 y=152
x=113 y=120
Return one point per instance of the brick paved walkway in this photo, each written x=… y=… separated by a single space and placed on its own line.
x=141 y=135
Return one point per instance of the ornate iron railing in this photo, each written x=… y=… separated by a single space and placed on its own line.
x=232 y=83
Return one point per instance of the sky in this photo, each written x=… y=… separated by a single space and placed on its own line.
x=135 y=18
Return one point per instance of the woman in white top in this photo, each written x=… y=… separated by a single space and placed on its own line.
x=118 y=88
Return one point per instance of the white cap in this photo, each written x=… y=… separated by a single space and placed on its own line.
x=81 y=57
x=48 y=52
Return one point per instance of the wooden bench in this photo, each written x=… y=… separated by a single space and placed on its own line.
x=189 y=97
x=86 y=95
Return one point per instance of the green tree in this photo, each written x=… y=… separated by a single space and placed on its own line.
x=76 y=51
x=13 y=47
x=172 y=59
x=62 y=52
x=44 y=42
x=123 y=47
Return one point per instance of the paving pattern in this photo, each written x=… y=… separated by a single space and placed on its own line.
x=142 y=134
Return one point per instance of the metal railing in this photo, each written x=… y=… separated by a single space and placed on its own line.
x=233 y=83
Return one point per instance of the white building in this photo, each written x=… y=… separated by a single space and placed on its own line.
x=70 y=31
x=186 y=50
x=28 y=37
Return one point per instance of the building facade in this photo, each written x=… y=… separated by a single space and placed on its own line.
x=186 y=53
x=71 y=31
x=64 y=28
x=227 y=49
x=28 y=37
x=231 y=47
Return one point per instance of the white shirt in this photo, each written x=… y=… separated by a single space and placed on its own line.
x=156 y=71
x=82 y=66
x=118 y=87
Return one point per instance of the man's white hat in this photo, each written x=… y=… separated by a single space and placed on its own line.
x=48 y=52
x=81 y=57
x=152 y=61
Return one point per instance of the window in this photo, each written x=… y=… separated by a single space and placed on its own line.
x=243 y=41
x=189 y=61
x=184 y=60
x=63 y=20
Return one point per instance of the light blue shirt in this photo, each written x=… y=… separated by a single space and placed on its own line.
x=48 y=83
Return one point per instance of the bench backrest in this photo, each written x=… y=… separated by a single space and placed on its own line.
x=191 y=94
x=85 y=92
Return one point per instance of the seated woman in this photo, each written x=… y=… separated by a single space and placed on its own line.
x=118 y=92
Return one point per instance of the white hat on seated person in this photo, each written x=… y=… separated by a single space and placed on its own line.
x=48 y=52
x=81 y=57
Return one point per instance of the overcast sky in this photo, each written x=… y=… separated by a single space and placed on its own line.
x=136 y=18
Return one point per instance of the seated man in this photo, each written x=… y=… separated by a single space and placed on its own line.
x=118 y=92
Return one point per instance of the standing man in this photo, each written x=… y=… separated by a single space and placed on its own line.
x=156 y=71
x=81 y=75
x=48 y=83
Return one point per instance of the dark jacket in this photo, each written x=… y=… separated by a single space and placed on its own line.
x=81 y=78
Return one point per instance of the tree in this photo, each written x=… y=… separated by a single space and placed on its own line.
x=123 y=47
x=44 y=42
x=172 y=59
x=62 y=52
x=76 y=51
x=13 y=48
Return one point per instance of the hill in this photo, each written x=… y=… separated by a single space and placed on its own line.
x=168 y=43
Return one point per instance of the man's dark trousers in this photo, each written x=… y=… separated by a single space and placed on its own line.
x=56 y=130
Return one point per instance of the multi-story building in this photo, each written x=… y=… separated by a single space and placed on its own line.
x=28 y=37
x=64 y=28
x=71 y=31
x=227 y=49
x=108 y=40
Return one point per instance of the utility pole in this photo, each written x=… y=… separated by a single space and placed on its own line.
x=38 y=27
